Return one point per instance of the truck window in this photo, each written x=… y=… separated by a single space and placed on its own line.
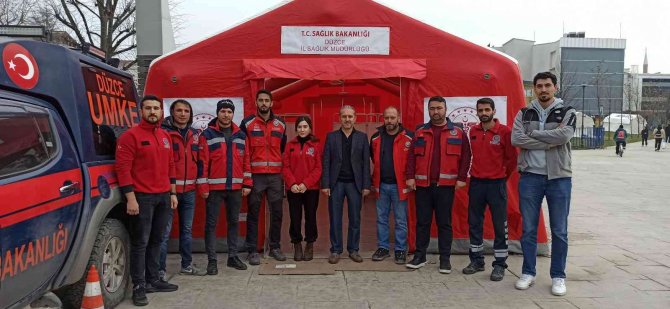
x=26 y=139
x=112 y=107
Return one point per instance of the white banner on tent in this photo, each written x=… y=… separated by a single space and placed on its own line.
x=204 y=110
x=463 y=110
x=322 y=40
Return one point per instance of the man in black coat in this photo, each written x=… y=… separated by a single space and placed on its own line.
x=645 y=136
x=346 y=173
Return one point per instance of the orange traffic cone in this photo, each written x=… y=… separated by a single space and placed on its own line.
x=92 y=293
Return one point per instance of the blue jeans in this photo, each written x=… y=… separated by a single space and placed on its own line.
x=532 y=189
x=390 y=199
x=335 y=209
x=186 y=208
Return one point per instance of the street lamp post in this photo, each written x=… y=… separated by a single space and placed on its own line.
x=581 y=135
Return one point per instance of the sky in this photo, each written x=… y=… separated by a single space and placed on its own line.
x=643 y=23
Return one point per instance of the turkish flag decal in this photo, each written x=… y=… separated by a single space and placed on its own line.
x=20 y=66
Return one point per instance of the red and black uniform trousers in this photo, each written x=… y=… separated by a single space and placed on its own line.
x=491 y=192
x=493 y=160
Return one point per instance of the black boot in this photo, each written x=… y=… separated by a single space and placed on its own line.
x=235 y=262
x=140 y=296
x=212 y=270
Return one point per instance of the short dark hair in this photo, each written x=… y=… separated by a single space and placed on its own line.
x=545 y=75
x=488 y=101
x=268 y=92
x=150 y=97
x=438 y=99
x=180 y=101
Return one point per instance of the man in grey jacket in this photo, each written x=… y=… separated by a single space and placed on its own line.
x=542 y=132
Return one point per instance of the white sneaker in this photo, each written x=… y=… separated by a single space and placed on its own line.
x=524 y=282
x=558 y=286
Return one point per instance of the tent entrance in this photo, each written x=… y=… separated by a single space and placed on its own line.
x=322 y=101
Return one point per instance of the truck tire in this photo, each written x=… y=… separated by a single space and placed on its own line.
x=111 y=256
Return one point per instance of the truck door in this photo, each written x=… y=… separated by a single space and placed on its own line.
x=40 y=198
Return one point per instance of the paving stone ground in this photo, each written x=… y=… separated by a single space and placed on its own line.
x=619 y=257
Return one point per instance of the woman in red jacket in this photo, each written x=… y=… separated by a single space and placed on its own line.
x=302 y=172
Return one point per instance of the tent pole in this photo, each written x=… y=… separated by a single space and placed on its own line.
x=400 y=97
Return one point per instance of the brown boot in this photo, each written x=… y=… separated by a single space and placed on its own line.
x=334 y=258
x=309 y=252
x=297 y=252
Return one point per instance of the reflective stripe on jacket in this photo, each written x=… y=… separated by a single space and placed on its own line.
x=266 y=143
x=224 y=162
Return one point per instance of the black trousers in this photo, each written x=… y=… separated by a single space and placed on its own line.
x=271 y=184
x=644 y=141
x=146 y=231
x=491 y=192
x=657 y=144
x=232 y=201
x=438 y=199
x=618 y=146
x=297 y=202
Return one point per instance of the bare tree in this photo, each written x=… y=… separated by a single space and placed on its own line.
x=41 y=14
x=632 y=95
x=569 y=91
x=106 y=24
x=15 y=12
x=178 y=19
x=600 y=82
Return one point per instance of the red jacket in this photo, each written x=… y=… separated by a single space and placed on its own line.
x=493 y=156
x=225 y=163
x=454 y=163
x=144 y=161
x=401 y=147
x=185 y=153
x=267 y=141
x=302 y=165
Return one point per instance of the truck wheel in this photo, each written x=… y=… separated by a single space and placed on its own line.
x=111 y=256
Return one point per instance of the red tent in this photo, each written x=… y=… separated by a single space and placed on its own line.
x=316 y=55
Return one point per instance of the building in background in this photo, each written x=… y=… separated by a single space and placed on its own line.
x=647 y=94
x=590 y=70
x=155 y=36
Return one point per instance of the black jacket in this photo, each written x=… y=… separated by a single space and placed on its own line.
x=360 y=160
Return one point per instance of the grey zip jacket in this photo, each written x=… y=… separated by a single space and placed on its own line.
x=543 y=135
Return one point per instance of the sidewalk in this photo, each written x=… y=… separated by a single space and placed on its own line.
x=619 y=257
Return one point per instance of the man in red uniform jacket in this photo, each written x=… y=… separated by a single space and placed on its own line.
x=389 y=147
x=185 y=151
x=493 y=162
x=146 y=172
x=266 y=134
x=438 y=164
x=224 y=176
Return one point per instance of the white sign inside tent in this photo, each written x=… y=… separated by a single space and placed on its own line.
x=204 y=110
x=463 y=110
x=323 y=40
